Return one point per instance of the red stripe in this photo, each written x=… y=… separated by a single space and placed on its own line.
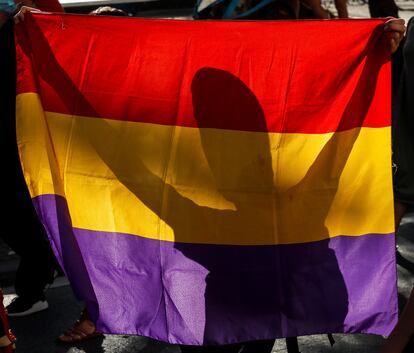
x=302 y=77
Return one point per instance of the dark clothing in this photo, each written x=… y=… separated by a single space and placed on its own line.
x=383 y=8
x=21 y=229
x=403 y=124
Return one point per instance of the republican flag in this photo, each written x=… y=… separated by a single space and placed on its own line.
x=210 y=182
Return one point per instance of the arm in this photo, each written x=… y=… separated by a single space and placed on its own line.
x=342 y=8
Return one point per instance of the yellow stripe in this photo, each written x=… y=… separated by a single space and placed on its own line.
x=208 y=185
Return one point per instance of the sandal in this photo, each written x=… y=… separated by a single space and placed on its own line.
x=84 y=329
x=7 y=343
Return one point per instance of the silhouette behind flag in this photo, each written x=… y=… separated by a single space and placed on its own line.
x=209 y=192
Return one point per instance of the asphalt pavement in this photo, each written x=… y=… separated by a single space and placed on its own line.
x=37 y=333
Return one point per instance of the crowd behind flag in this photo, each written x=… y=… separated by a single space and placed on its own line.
x=213 y=182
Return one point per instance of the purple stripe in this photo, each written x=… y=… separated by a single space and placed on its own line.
x=194 y=294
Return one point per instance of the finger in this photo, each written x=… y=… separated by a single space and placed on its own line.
x=395 y=28
x=394 y=20
x=19 y=17
x=395 y=25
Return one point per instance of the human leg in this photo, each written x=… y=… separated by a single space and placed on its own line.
x=30 y=285
x=399 y=211
x=259 y=346
x=403 y=331
x=383 y=8
x=342 y=8
x=36 y=269
x=318 y=10
x=227 y=348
